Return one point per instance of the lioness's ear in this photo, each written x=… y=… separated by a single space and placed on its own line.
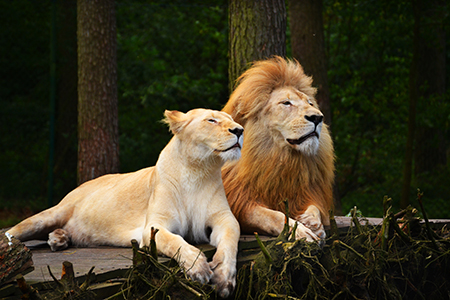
x=175 y=119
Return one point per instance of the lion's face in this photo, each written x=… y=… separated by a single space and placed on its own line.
x=210 y=132
x=295 y=120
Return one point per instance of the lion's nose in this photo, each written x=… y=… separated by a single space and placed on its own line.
x=316 y=119
x=236 y=131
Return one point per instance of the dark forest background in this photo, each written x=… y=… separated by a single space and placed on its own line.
x=174 y=55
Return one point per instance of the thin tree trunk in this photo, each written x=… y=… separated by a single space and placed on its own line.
x=257 y=31
x=427 y=80
x=430 y=81
x=67 y=100
x=98 y=137
x=308 y=47
x=409 y=149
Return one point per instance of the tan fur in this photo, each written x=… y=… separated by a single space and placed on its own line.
x=271 y=169
x=182 y=196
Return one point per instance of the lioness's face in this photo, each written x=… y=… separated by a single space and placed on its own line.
x=295 y=120
x=213 y=133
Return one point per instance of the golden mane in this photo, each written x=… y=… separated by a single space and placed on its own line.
x=268 y=173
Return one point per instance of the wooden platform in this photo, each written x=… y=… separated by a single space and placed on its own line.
x=107 y=259
x=83 y=259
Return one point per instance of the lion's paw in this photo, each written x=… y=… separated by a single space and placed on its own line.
x=224 y=277
x=314 y=224
x=311 y=219
x=59 y=239
x=303 y=232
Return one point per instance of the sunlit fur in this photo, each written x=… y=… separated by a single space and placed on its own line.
x=269 y=171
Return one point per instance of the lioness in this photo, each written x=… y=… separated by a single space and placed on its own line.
x=182 y=196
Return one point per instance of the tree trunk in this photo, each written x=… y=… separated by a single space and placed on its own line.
x=257 y=31
x=427 y=80
x=98 y=134
x=308 y=47
x=67 y=100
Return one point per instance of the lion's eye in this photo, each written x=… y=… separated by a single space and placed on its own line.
x=310 y=102
x=212 y=121
x=287 y=103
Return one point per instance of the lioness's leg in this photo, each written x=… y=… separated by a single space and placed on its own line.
x=188 y=256
x=40 y=225
x=225 y=236
x=59 y=239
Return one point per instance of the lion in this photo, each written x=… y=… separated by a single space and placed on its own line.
x=182 y=196
x=287 y=153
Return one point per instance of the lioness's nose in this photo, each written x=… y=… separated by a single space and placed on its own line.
x=236 y=131
x=316 y=119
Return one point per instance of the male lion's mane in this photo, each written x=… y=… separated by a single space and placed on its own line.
x=267 y=172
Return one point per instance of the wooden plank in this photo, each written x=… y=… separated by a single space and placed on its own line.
x=104 y=259
x=343 y=222
x=108 y=259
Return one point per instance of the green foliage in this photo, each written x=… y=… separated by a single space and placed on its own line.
x=369 y=47
x=24 y=95
x=403 y=258
x=151 y=279
x=360 y=262
x=171 y=56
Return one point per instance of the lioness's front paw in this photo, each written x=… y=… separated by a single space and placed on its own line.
x=224 y=277
x=198 y=268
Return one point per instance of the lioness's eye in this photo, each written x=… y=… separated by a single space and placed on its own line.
x=212 y=121
x=287 y=103
x=310 y=103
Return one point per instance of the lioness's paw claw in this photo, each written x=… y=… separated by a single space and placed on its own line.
x=202 y=277
x=202 y=274
x=225 y=289
x=199 y=269
x=224 y=277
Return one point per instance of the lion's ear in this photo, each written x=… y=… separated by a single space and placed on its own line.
x=175 y=119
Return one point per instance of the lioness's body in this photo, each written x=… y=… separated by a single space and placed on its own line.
x=182 y=196
x=102 y=211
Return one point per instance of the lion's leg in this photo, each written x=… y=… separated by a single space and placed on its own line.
x=225 y=237
x=190 y=258
x=311 y=219
x=40 y=225
x=271 y=222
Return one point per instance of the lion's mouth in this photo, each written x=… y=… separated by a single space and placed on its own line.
x=303 y=138
x=237 y=145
